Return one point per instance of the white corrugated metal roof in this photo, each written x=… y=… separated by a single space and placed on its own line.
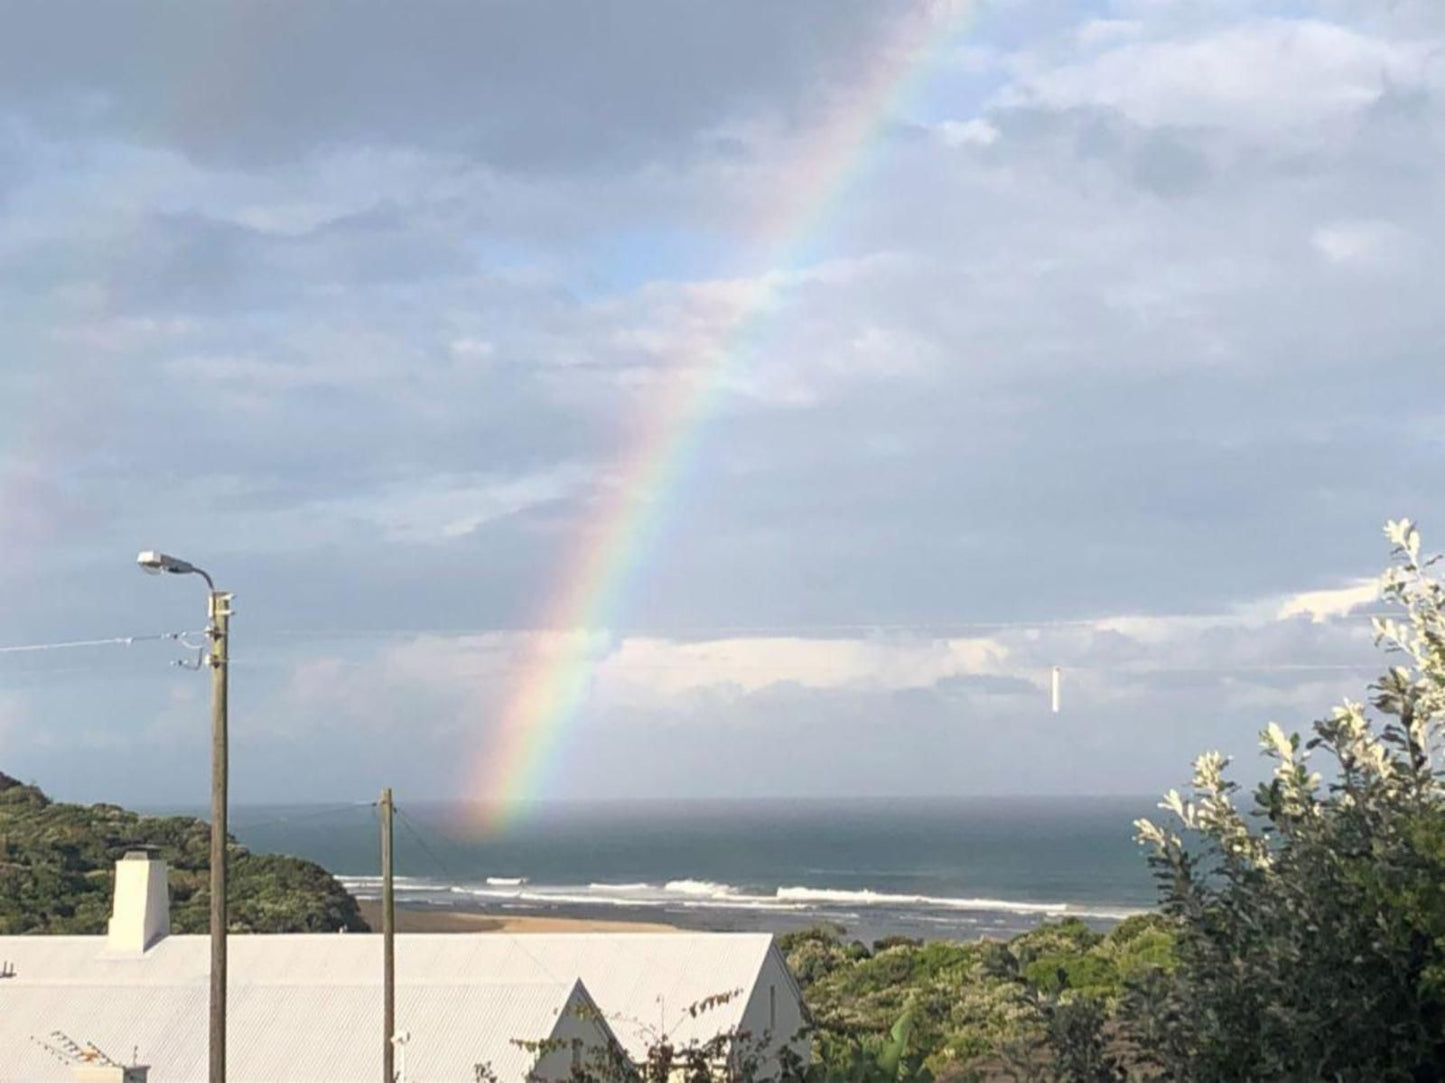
x=311 y=1001
x=328 y=1034
x=645 y=982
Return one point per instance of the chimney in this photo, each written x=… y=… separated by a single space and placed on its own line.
x=141 y=914
x=109 y=1073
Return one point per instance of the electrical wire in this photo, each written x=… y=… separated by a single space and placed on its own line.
x=679 y=665
x=925 y=627
x=449 y=874
x=27 y=648
x=250 y=825
x=441 y=865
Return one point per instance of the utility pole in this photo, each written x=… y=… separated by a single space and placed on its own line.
x=220 y=635
x=388 y=945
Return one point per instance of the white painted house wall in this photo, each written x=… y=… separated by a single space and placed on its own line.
x=774 y=1015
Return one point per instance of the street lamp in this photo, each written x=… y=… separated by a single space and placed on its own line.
x=218 y=632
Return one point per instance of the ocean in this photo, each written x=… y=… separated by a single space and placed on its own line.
x=955 y=869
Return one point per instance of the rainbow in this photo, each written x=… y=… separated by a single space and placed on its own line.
x=559 y=660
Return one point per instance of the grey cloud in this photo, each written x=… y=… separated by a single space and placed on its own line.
x=166 y=264
x=530 y=84
x=989 y=685
x=1097 y=366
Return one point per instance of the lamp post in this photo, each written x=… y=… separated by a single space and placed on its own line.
x=218 y=631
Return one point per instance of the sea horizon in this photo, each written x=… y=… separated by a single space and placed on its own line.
x=957 y=867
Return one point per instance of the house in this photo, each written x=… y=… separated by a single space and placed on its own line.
x=307 y=1007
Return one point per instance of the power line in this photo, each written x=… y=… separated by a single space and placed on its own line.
x=517 y=943
x=923 y=627
x=725 y=667
x=26 y=648
x=1139 y=668
x=251 y=825
x=441 y=865
x=680 y=630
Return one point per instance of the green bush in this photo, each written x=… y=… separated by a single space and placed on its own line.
x=1310 y=936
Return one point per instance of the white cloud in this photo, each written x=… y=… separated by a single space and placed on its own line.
x=444 y=507
x=1102 y=32
x=662 y=669
x=253 y=374
x=976 y=132
x=1258 y=653
x=1265 y=77
x=1361 y=243
x=1320 y=605
x=473 y=349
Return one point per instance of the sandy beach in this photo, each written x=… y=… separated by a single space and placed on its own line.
x=452 y=921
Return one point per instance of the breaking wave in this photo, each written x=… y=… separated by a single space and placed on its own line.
x=879 y=898
x=704 y=889
x=688 y=894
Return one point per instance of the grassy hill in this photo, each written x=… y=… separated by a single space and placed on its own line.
x=57 y=867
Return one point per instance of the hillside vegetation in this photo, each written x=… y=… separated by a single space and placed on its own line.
x=57 y=868
x=968 y=1005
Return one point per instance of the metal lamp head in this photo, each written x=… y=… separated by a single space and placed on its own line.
x=153 y=563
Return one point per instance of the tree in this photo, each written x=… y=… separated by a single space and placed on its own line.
x=57 y=866
x=1311 y=936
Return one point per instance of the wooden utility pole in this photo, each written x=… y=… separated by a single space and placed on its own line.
x=388 y=942
x=217 y=656
x=220 y=636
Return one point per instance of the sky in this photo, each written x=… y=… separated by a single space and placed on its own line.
x=1109 y=341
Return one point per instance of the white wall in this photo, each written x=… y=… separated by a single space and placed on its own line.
x=578 y=1022
x=774 y=1014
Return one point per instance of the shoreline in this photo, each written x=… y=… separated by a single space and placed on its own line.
x=413 y=919
x=476 y=916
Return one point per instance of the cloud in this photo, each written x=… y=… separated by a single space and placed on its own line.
x=446 y=507
x=531 y=85
x=661 y=670
x=1276 y=77
x=1319 y=605
x=1161 y=692
x=1361 y=244
x=1093 y=324
x=1103 y=32
x=968 y=133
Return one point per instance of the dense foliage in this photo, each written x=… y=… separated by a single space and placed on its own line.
x=1312 y=934
x=970 y=1008
x=57 y=868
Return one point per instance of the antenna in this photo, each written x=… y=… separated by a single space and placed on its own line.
x=68 y=1051
x=1054 y=690
x=55 y=1053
